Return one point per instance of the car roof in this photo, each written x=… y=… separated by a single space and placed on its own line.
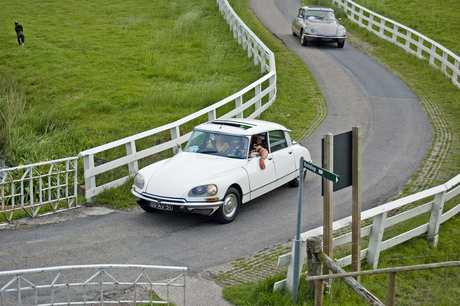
x=314 y=7
x=240 y=126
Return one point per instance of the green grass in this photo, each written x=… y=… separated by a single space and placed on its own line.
x=110 y=69
x=434 y=19
x=101 y=72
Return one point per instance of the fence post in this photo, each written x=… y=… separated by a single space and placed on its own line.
x=391 y=289
x=435 y=219
x=375 y=240
x=314 y=245
x=328 y=163
x=175 y=133
x=90 y=182
x=238 y=103
x=257 y=91
x=212 y=115
x=356 y=199
x=131 y=149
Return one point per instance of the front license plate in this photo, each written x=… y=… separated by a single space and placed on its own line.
x=161 y=206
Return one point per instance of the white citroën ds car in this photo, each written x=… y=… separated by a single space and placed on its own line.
x=216 y=172
x=318 y=23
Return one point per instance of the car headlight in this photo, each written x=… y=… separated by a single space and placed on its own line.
x=310 y=30
x=341 y=32
x=203 y=191
x=139 y=181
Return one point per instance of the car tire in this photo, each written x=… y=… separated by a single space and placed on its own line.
x=296 y=182
x=293 y=33
x=145 y=206
x=341 y=44
x=229 y=210
x=303 y=41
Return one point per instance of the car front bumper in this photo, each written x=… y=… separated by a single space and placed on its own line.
x=177 y=204
x=312 y=37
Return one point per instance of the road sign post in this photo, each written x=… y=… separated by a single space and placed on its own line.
x=297 y=243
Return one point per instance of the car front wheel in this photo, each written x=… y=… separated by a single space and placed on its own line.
x=341 y=44
x=303 y=40
x=228 y=211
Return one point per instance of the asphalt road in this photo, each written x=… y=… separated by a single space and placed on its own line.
x=358 y=91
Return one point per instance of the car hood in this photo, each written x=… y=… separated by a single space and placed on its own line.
x=325 y=28
x=178 y=175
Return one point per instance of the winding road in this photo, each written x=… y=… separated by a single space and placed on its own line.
x=358 y=91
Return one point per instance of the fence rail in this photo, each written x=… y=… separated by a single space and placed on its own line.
x=404 y=37
x=90 y=285
x=50 y=185
x=381 y=221
x=315 y=278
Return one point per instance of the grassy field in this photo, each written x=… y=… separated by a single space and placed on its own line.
x=100 y=72
x=96 y=71
x=433 y=287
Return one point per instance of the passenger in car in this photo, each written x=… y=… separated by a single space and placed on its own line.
x=257 y=147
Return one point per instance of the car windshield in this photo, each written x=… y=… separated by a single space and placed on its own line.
x=320 y=16
x=218 y=144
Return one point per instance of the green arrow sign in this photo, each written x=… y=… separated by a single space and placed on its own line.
x=323 y=172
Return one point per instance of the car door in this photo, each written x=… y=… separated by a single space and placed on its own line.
x=261 y=181
x=282 y=156
x=297 y=23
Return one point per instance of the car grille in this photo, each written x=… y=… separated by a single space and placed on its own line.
x=163 y=200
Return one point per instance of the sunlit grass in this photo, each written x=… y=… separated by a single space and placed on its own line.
x=110 y=69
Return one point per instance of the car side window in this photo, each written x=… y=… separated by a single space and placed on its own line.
x=277 y=140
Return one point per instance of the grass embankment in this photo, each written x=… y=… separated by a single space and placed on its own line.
x=429 y=287
x=111 y=69
x=94 y=72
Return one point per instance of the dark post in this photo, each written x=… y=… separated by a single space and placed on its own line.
x=356 y=199
x=328 y=160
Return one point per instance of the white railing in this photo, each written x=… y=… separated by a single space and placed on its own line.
x=91 y=285
x=48 y=186
x=404 y=37
x=382 y=221
x=262 y=93
x=255 y=98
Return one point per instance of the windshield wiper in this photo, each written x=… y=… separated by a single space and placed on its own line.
x=208 y=152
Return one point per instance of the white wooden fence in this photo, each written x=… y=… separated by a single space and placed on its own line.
x=404 y=37
x=255 y=98
x=381 y=221
x=262 y=90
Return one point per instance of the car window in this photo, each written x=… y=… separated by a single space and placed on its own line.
x=318 y=15
x=301 y=13
x=220 y=144
x=277 y=140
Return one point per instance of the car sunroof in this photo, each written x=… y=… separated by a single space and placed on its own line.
x=232 y=123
